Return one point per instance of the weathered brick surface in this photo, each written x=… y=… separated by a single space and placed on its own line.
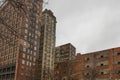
x=100 y=65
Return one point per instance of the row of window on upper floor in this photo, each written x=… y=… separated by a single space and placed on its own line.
x=100 y=72
x=8 y=51
x=32 y=52
x=105 y=63
x=102 y=56
x=28 y=63
x=29 y=57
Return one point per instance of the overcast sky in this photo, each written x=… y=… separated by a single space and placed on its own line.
x=90 y=25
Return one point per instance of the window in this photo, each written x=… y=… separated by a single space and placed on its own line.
x=101 y=64
x=102 y=73
x=26 y=31
x=31 y=58
x=26 y=19
x=23 y=55
x=101 y=56
x=118 y=54
x=119 y=72
x=26 y=25
x=24 y=43
x=33 y=64
x=87 y=66
x=30 y=34
x=34 y=53
x=34 y=59
x=35 y=36
x=31 y=51
x=87 y=74
x=30 y=64
x=27 y=63
x=23 y=61
x=88 y=59
x=36 y=26
x=25 y=37
x=28 y=56
x=28 y=50
x=119 y=62
x=35 y=48
x=35 y=42
x=36 y=32
x=24 y=49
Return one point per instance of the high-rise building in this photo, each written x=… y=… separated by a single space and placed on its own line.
x=65 y=52
x=19 y=39
x=47 y=45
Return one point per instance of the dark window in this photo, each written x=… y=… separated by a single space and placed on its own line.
x=88 y=66
x=101 y=56
x=118 y=54
x=88 y=59
x=119 y=62
x=102 y=64
x=102 y=72
x=119 y=72
x=87 y=74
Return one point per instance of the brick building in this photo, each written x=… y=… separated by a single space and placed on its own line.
x=19 y=39
x=76 y=67
x=65 y=52
x=100 y=65
x=47 y=45
x=69 y=70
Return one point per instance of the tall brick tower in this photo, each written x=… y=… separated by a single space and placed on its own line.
x=19 y=39
x=47 y=45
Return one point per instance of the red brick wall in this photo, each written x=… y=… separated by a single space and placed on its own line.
x=102 y=65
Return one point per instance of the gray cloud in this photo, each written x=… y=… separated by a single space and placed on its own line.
x=90 y=25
